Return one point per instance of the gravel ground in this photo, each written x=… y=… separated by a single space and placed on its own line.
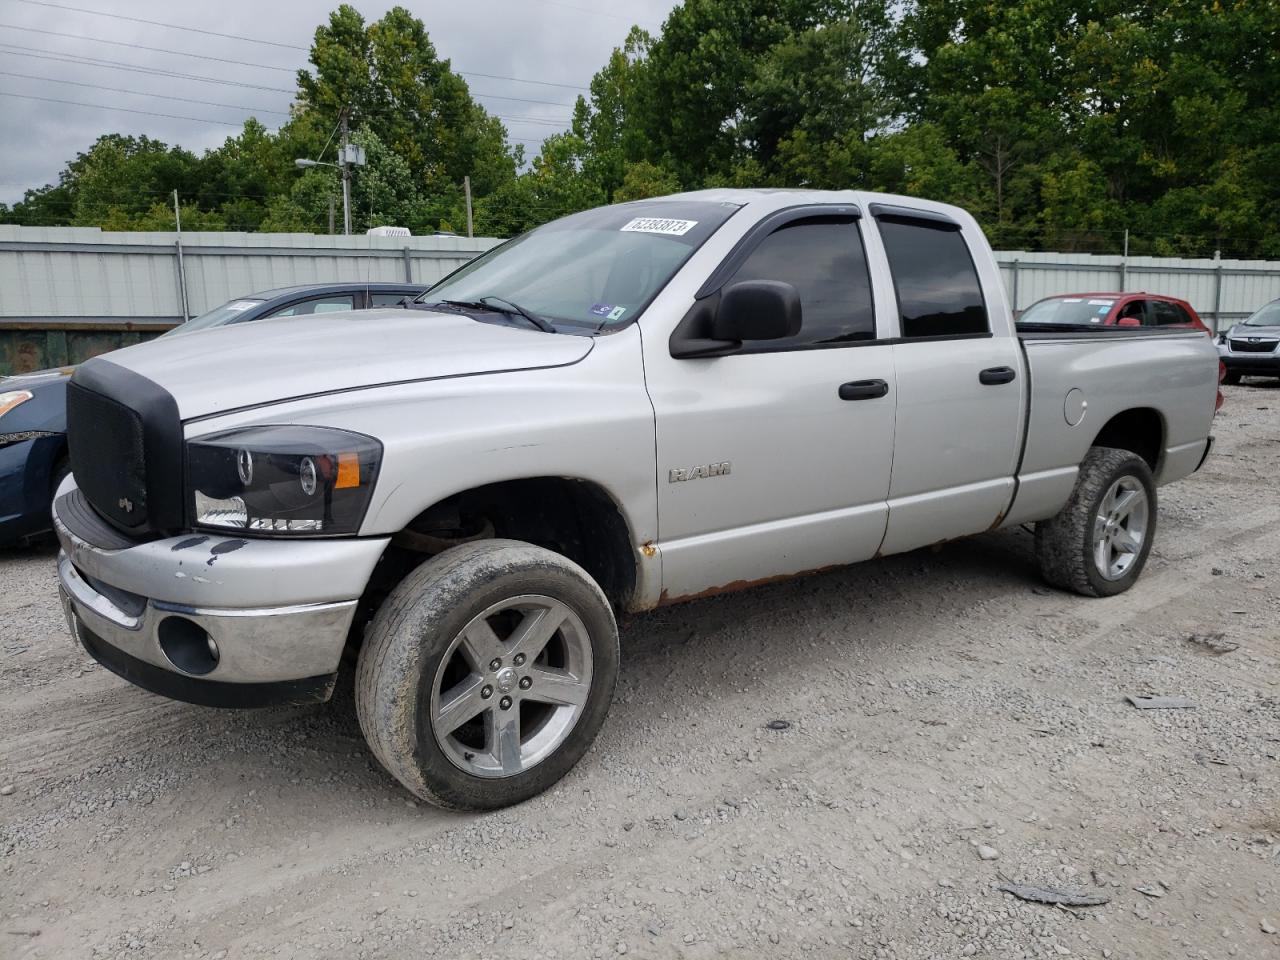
x=953 y=724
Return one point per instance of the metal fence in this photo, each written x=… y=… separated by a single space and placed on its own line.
x=67 y=293
x=1222 y=291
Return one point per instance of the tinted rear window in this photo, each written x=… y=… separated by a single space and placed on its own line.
x=936 y=281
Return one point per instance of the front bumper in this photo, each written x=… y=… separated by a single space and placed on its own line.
x=1263 y=364
x=219 y=621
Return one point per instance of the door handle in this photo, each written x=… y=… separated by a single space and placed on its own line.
x=993 y=375
x=863 y=389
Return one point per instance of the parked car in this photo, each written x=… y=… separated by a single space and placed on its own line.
x=1112 y=310
x=1252 y=347
x=33 y=446
x=631 y=406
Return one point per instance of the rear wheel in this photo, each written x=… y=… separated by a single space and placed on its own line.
x=487 y=673
x=1098 y=543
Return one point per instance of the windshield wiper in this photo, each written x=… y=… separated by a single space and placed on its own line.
x=506 y=307
x=514 y=309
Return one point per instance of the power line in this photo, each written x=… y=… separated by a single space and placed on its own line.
x=160 y=23
x=139 y=46
x=258 y=66
x=494 y=96
x=542 y=83
x=143 y=93
x=150 y=71
x=103 y=106
x=59 y=57
x=272 y=43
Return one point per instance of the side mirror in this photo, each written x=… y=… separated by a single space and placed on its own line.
x=757 y=310
x=1128 y=322
x=748 y=310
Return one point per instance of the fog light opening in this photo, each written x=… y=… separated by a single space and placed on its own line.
x=187 y=645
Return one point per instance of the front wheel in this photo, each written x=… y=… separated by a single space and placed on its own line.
x=1098 y=543
x=487 y=674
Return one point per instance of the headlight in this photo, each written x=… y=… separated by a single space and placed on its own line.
x=290 y=480
x=11 y=399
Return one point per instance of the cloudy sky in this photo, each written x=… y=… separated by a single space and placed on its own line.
x=106 y=59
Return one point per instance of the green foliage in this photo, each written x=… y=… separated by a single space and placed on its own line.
x=1059 y=123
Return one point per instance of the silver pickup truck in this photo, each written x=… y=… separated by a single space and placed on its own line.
x=631 y=406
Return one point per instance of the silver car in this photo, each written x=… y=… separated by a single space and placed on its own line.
x=1252 y=348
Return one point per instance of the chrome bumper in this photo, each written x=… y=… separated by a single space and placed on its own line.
x=260 y=645
x=147 y=610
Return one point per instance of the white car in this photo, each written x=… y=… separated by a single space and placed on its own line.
x=631 y=406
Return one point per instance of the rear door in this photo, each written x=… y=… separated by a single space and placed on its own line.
x=960 y=382
x=775 y=459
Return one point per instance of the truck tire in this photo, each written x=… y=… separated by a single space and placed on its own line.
x=1098 y=543
x=1231 y=377
x=487 y=673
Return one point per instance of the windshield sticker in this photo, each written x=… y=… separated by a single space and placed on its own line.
x=1104 y=310
x=1101 y=303
x=672 y=228
x=240 y=305
x=608 y=311
x=1073 y=300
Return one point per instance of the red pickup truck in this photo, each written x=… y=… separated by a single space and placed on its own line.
x=1113 y=310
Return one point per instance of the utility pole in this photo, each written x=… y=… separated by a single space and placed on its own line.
x=182 y=270
x=346 y=178
x=331 y=214
x=466 y=185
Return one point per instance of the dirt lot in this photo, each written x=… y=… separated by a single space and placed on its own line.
x=944 y=708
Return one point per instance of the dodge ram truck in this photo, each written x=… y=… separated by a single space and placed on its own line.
x=628 y=407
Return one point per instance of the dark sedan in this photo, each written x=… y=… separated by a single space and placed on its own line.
x=33 y=422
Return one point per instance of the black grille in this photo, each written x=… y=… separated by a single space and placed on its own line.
x=108 y=456
x=1262 y=346
x=125 y=441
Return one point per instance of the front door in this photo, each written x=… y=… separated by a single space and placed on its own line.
x=776 y=459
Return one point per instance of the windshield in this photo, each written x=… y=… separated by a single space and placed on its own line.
x=229 y=312
x=1068 y=311
x=1268 y=316
x=592 y=270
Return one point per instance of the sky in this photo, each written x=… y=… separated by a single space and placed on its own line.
x=91 y=52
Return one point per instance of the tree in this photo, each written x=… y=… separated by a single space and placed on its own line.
x=389 y=76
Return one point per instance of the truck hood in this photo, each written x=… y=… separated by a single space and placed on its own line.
x=268 y=361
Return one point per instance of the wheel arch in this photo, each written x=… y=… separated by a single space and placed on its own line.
x=575 y=517
x=1140 y=430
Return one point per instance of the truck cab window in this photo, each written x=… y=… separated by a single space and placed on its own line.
x=822 y=257
x=937 y=283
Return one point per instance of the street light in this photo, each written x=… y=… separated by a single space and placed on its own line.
x=302 y=164
x=348 y=154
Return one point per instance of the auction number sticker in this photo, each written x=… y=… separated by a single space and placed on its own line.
x=671 y=228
